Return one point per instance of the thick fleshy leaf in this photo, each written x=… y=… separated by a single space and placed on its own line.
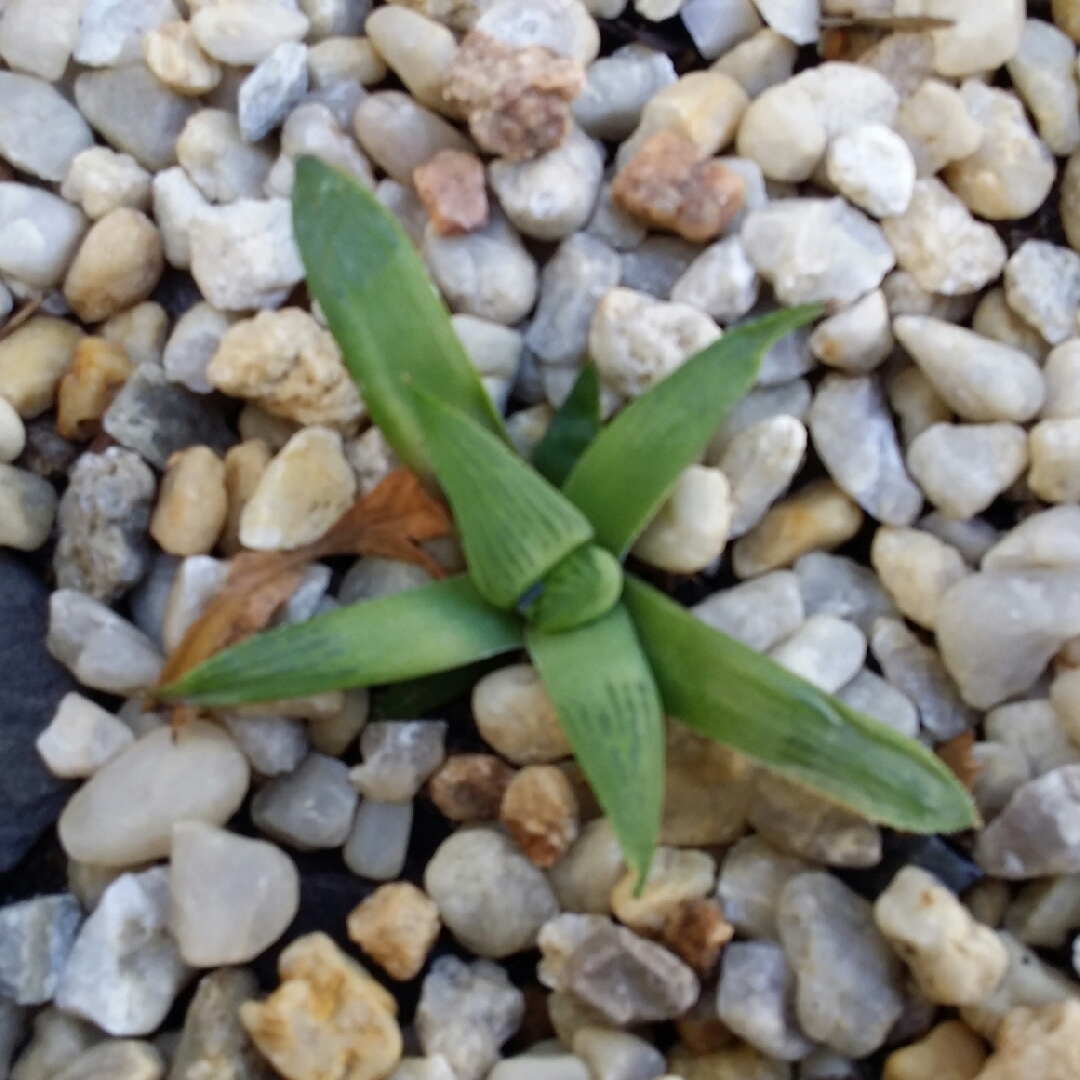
x=607 y=702
x=406 y=635
x=584 y=586
x=740 y=698
x=572 y=428
x=514 y=525
x=382 y=308
x=628 y=470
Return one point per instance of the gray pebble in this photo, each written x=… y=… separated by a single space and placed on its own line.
x=35 y=939
x=628 y=979
x=849 y=985
x=573 y=282
x=1038 y=832
x=155 y=418
x=30 y=108
x=102 y=521
x=271 y=91
x=759 y=613
x=134 y=112
x=854 y=435
x=399 y=756
x=466 y=1012
x=755 y=999
x=836 y=585
x=379 y=840
x=311 y=808
x=917 y=671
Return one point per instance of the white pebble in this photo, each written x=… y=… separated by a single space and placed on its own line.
x=80 y=738
x=872 y=166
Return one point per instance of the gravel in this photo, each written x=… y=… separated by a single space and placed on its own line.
x=890 y=513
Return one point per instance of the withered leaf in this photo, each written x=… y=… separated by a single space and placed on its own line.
x=956 y=753
x=392 y=521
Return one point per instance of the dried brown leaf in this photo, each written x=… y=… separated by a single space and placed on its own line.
x=956 y=753
x=392 y=521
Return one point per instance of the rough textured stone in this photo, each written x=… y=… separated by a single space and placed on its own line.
x=941 y=245
x=290 y=366
x=466 y=1012
x=396 y=926
x=636 y=341
x=213 y=1044
x=1043 y=1040
x=125 y=970
x=1035 y=835
x=667 y=185
x=328 y=1017
x=954 y=959
x=628 y=979
x=173 y=55
x=517 y=100
x=35 y=940
x=243 y=256
x=848 y=981
x=817 y=251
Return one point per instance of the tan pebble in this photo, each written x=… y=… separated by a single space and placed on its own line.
x=288 y=364
x=668 y=186
x=952 y=1051
x=303 y=491
x=453 y=191
x=697 y=932
x=819 y=518
x=328 y=1020
x=676 y=875
x=98 y=372
x=703 y=106
x=1037 y=1044
x=954 y=959
x=140 y=331
x=470 y=787
x=192 y=504
x=396 y=926
x=517 y=100
x=540 y=811
x=706 y=791
x=119 y=263
x=173 y=56
x=514 y=716
x=33 y=359
x=244 y=465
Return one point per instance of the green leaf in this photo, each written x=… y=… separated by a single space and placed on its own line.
x=607 y=702
x=382 y=308
x=584 y=586
x=420 y=697
x=734 y=695
x=403 y=636
x=624 y=476
x=514 y=525
x=572 y=428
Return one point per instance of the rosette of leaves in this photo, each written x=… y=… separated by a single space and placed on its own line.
x=544 y=544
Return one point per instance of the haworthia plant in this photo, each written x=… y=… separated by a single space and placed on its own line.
x=544 y=551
